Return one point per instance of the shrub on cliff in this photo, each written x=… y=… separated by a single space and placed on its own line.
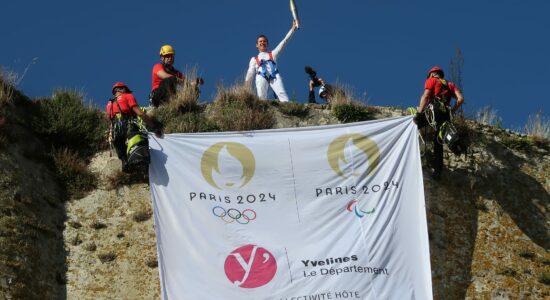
x=73 y=173
x=347 y=109
x=238 y=108
x=66 y=121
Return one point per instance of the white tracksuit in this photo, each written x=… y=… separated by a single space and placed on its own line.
x=262 y=85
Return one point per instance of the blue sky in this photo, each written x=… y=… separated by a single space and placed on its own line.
x=381 y=48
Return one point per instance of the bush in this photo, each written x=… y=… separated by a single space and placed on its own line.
x=345 y=108
x=294 y=109
x=238 y=109
x=521 y=143
x=464 y=130
x=175 y=121
x=67 y=122
x=351 y=112
x=73 y=173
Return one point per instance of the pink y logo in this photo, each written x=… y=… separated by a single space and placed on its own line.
x=250 y=266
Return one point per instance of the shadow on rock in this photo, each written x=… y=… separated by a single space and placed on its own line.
x=452 y=226
x=523 y=197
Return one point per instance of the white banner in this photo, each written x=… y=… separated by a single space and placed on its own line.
x=330 y=212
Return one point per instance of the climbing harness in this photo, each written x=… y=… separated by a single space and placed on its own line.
x=262 y=67
x=134 y=133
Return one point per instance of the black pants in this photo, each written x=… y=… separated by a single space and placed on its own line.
x=166 y=89
x=441 y=114
x=121 y=133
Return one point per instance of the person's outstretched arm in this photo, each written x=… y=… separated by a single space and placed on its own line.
x=150 y=121
x=283 y=43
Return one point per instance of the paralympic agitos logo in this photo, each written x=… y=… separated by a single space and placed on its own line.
x=235 y=158
x=343 y=160
x=250 y=266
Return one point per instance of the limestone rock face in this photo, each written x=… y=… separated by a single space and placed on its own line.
x=116 y=256
x=488 y=223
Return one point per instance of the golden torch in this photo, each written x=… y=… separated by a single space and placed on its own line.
x=294 y=12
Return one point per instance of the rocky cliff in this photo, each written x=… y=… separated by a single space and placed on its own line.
x=488 y=218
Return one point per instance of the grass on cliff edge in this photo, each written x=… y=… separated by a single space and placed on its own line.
x=346 y=108
x=238 y=109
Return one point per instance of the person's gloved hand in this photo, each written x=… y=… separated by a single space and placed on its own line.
x=417 y=117
x=156 y=128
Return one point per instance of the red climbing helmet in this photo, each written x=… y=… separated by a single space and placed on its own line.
x=436 y=69
x=118 y=85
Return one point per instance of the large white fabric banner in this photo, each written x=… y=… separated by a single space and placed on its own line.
x=330 y=212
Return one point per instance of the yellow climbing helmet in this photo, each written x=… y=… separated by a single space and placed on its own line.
x=167 y=50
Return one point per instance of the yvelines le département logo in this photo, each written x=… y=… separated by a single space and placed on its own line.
x=338 y=154
x=210 y=164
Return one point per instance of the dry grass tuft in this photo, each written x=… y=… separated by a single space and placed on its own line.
x=186 y=98
x=342 y=94
x=97 y=225
x=142 y=216
x=75 y=224
x=106 y=257
x=7 y=83
x=91 y=247
x=346 y=108
x=184 y=113
x=75 y=241
x=294 y=109
x=538 y=127
x=527 y=254
x=73 y=172
x=176 y=122
x=6 y=93
x=119 y=178
x=151 y=263
x=239 y=109
x=488 y=116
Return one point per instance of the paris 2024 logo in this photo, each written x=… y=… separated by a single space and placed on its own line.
x=250 y=266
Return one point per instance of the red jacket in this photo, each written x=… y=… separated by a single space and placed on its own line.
x=126 y=102
x=438 y=89
x=156 y=79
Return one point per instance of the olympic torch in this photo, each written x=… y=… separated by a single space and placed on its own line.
x=294 y=12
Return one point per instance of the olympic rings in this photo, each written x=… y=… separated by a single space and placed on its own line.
x=234 y=214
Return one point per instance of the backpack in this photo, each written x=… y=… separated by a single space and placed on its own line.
x=445 y=93
x=449 y=135
x=119 y=123
x=137 y=149
x=262 y=66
